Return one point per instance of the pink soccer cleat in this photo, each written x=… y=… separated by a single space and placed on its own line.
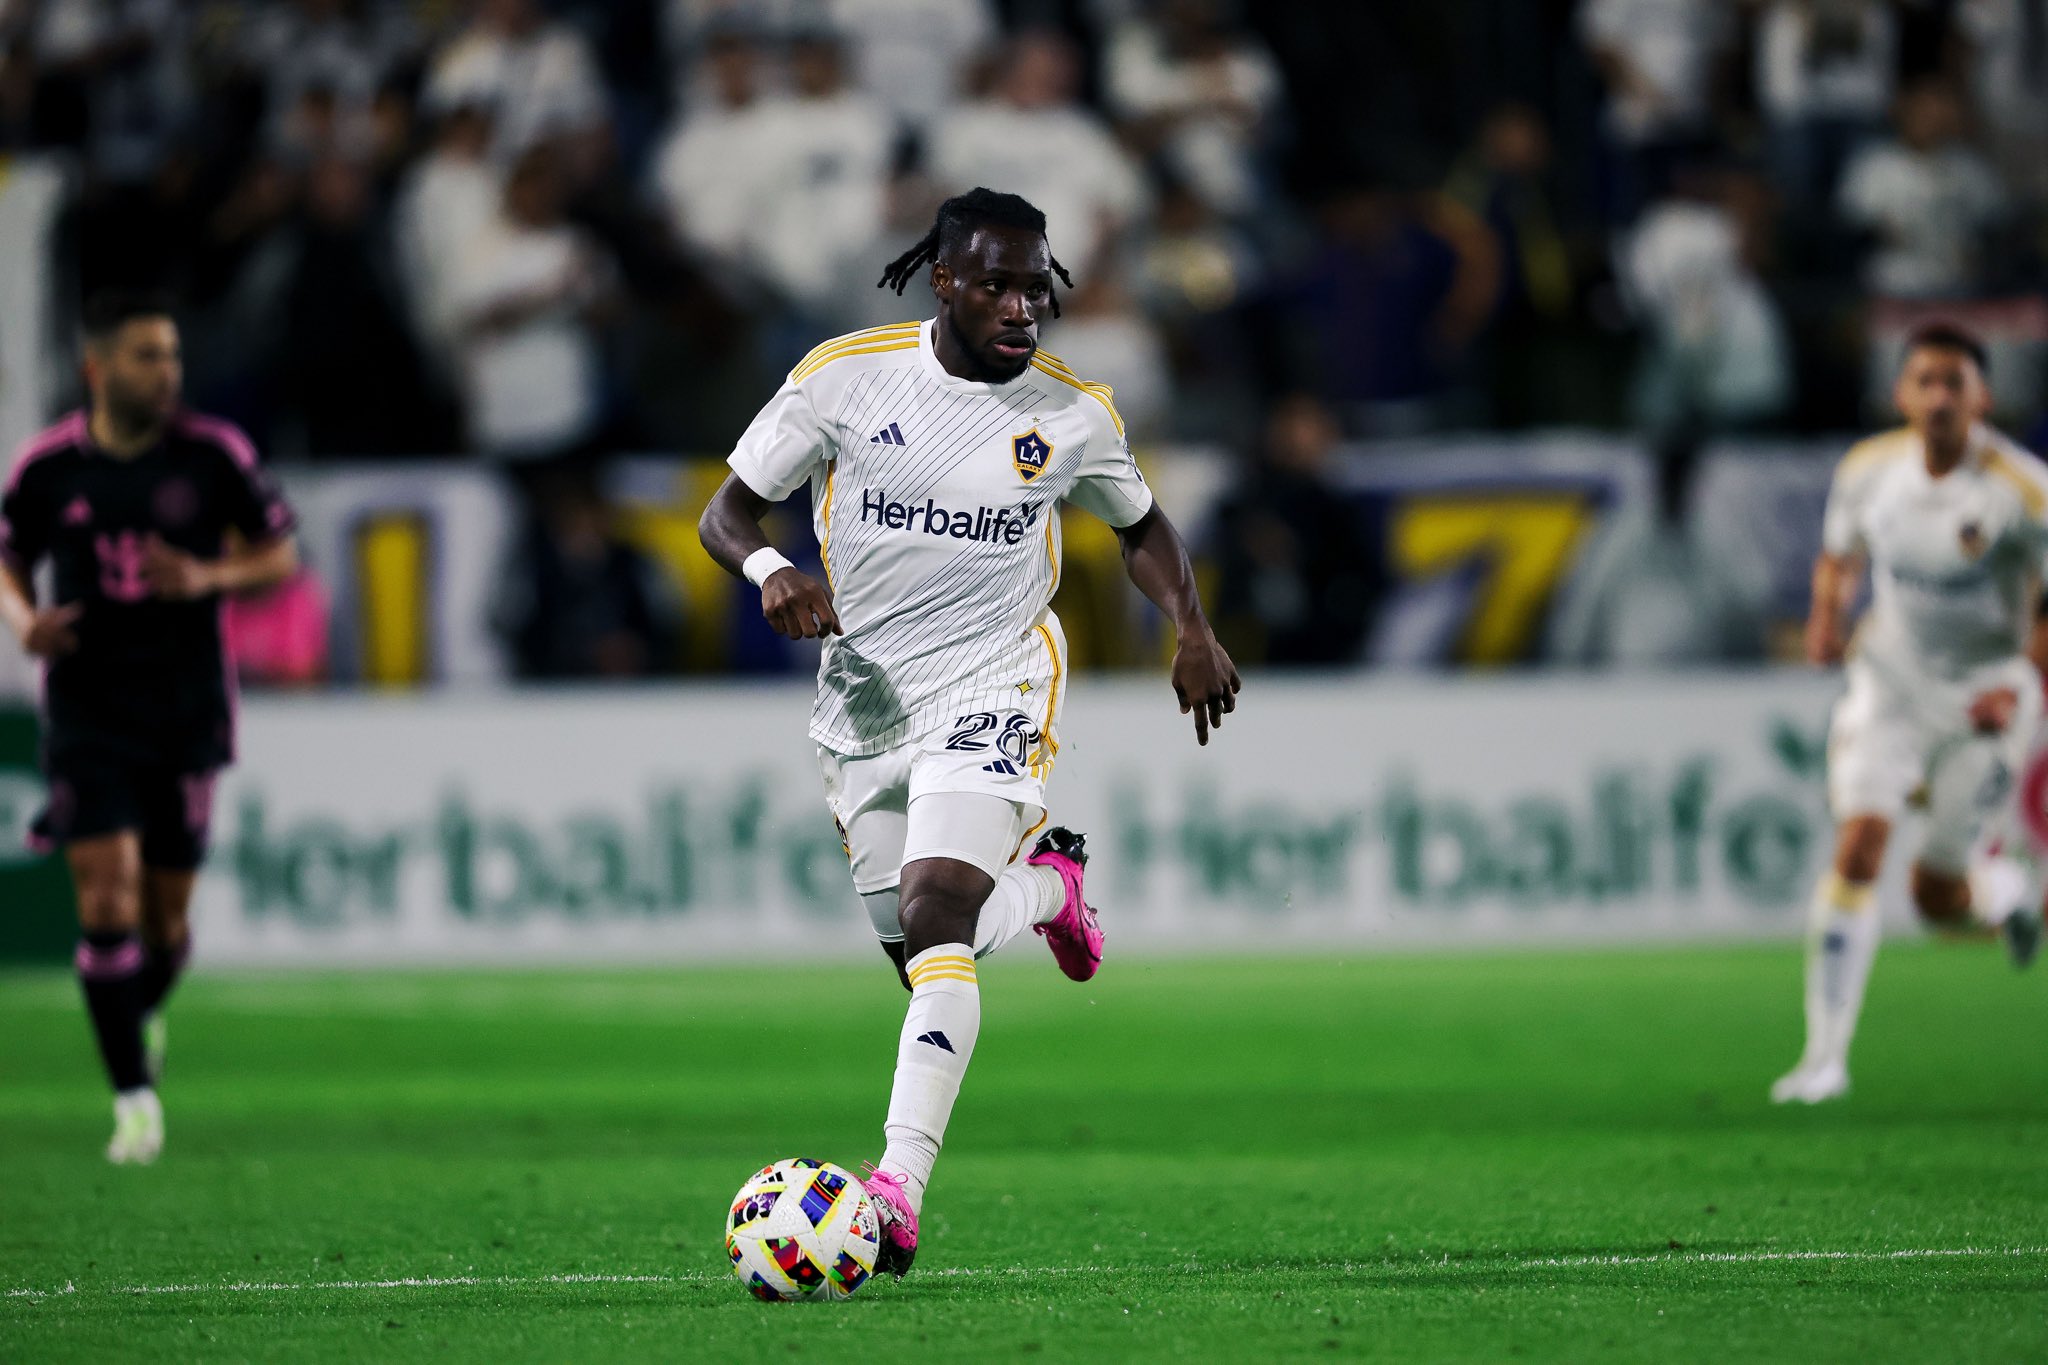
x=899 y=1222
x=1074 y=935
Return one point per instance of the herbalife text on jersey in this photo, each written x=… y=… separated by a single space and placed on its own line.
x=1006 y=525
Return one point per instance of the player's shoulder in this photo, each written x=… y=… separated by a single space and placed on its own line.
x=197 y=429
x=65 y=435
x=855 y=353
x=1881 y=451
x=2025 y=472
x=1095 y=401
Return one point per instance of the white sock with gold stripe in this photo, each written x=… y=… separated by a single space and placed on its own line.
x=1841 y=945
x=1025 y=895
x=931 y=1058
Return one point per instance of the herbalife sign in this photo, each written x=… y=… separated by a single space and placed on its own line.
x=688 y=824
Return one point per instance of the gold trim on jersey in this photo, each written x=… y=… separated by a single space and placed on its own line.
x=1099 y=392
x=1052 y=549
x=2032 y=496
x=1888 y=445
x=1044 y=816
x=1049 y=749
x=825 y=540
x=798 y=376
x=890 y=331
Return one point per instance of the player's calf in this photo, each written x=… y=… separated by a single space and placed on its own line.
x=1944 y=902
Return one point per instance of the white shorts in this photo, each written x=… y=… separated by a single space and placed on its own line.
x=1891 y=737
x=906 y=803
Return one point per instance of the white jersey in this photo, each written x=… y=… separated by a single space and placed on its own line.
x=934 y=499
x=1955 y=562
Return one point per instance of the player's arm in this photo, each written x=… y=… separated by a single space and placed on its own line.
x=1204 y=678
x=1836 y=581
x=796 y=604
x=44 y=632
x=176 y=574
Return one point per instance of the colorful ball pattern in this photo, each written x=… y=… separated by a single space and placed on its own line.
x=802 y=1229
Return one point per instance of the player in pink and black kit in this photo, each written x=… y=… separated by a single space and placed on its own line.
x=146 y=515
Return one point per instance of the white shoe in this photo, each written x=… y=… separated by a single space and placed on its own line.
x=1811 y=1084
x=138 y=1129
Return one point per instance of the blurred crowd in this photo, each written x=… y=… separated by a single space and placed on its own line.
x=532 y=231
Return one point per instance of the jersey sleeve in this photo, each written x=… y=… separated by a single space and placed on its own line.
x=1841 y=531
x=24 y=522
x=783 y=446
x=256 y=506
x=1108 y=484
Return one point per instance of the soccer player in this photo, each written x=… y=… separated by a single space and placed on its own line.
x=937 y=454
x=132 y=501
x=1951 y=519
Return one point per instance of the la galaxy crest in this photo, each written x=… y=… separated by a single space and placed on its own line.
x=1971 y=538
x=1030 y=453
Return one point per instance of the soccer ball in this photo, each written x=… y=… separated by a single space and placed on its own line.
x=803 y=1229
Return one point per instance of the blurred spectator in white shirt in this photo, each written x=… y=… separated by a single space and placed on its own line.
x=1825 y=75
x=912 y=55
x=1184 y=82
x=347 y=49
x=1928 y=198
x=1718 y=356
x=1033 y=138
x=819 y=163
x=529 y=291
x=448 y=198
x=2008 y=64
x=704 y=172
x=540 y=79
x=1661 y=61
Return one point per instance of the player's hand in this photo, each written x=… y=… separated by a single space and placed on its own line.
x=49 y=634
x=1824 y=643
x=175 y=574
x=799 y=606
x=1205 y=681
x=1993 y=712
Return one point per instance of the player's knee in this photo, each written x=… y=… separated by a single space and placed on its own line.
x=165 y=929
x=934 y=917
x=109 y=905
x=1859 y=852
x=1942 y=898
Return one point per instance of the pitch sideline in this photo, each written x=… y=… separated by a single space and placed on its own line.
x=1498 y=1263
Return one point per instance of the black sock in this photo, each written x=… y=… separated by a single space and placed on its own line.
x=161 y=967
x=110 y=970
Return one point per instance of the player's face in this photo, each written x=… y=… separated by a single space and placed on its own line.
x=1942 y=393
x=993 y=294
x=138 y=372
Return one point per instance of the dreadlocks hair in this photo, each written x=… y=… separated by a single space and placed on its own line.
x=958 y=219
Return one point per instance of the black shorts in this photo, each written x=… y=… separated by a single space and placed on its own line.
x=94 y=794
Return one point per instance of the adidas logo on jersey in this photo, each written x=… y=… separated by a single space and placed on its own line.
x=891 y=435
x=995 y=525
x=1002 y=766
x=936 y=1039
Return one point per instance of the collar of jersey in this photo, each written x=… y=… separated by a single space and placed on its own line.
x=928 y=358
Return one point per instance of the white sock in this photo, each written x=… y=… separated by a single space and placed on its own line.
x=931 y=1058
x=1999 y=885
x=1024 y=896
x=1840 y=948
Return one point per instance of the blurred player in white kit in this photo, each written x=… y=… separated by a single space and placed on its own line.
x=1951 y=520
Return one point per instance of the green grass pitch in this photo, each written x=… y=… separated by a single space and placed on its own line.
x=1558 y=1156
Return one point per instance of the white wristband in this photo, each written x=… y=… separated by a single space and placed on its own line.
x=764 y=564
